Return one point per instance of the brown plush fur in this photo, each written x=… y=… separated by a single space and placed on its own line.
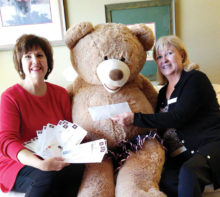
x=140 y=174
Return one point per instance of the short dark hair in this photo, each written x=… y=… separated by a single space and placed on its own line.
x=27 y=42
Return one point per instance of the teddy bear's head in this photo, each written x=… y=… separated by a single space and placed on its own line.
x=109 y=54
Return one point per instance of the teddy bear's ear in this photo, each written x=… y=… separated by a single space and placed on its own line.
x=144 y=34
x=76 y=32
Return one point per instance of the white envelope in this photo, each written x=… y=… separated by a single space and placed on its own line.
x=90 y=152
x=108 y=111
x=64 y=140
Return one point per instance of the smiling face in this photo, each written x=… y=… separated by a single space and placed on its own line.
x=25 y=45
x=34 y=64
x=169 y=61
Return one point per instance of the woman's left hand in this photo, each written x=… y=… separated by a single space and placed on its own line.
x=53 y=164
x=26 y=157
x=124 y=119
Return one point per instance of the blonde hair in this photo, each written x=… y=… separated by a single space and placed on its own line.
x=173 y=41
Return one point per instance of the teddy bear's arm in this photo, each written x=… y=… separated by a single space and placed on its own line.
x=148 y=89
x=73 y=88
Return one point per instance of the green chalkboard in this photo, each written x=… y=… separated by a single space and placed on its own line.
x=158 y=12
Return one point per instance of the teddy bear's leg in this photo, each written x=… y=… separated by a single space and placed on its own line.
x=140 y=175
x=98 y=180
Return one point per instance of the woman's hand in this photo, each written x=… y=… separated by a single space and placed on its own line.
x=124 y=119
x=52 y=164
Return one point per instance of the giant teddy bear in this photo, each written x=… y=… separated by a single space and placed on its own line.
x=108 y=59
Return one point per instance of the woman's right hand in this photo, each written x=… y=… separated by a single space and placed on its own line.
x=53 y=164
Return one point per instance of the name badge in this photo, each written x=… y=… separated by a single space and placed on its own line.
x=173 y=100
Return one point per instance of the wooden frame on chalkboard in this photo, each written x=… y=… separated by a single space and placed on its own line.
x=158 y=14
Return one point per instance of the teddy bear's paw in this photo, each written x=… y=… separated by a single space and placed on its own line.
x=130 y=192
x=98 y=180
x=99 y=191
x=96 y=193
x=153 y=192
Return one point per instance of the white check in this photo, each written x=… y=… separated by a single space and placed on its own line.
x=108 y=111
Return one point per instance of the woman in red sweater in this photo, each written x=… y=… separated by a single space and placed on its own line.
x=25 y=108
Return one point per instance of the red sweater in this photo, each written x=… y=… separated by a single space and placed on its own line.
x=21 y=114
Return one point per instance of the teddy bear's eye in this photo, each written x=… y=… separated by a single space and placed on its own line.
x=122 y=59
x=106 y=58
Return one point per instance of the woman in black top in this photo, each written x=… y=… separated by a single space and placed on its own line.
x=190 y=114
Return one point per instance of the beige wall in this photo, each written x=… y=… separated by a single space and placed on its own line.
x=197 y=23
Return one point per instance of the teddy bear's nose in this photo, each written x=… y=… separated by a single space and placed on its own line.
x=116 y=75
